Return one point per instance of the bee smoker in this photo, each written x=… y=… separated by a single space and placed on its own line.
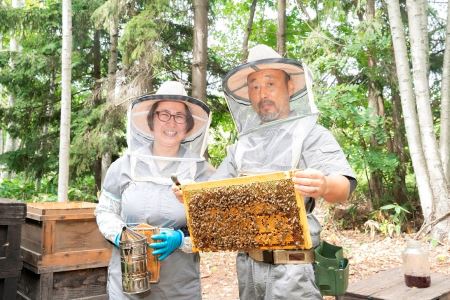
x=133 y=261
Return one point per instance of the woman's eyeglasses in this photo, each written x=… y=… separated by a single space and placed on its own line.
x=164 y=116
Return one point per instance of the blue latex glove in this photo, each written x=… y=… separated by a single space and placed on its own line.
x=117 y=239
x=169 y=239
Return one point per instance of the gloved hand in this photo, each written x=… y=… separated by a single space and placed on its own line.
x=170 y=240
x=117 y=239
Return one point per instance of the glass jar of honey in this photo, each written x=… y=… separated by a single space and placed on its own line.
x=416 y=266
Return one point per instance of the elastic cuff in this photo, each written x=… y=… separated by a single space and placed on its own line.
x=182 y=238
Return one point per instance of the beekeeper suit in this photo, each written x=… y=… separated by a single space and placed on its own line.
x=137 y=189
x=271 y=141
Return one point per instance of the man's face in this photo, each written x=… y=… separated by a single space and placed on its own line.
x=269 y=91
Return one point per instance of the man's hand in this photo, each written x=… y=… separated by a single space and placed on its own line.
x=313 y=183
x=310 y=183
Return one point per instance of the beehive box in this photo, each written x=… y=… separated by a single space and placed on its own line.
x=12 y=216
x=74 y=284
x=253 y=212
x=63 y=236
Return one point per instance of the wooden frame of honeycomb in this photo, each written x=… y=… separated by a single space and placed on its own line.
x=252 y=212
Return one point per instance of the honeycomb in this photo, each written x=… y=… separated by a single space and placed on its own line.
x=253 y=212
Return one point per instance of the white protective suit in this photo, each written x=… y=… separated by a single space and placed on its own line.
x=137 y=189
x=296 y=142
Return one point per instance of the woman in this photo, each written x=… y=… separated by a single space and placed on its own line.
x=166 y=135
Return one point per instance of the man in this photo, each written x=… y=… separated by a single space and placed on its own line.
x=272 y=105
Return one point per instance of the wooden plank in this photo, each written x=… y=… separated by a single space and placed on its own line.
x=10 y=267
x=390 y=285
x=48 y=237
x=32 y=236
x=368 y=287
x=79 y=258
x=8 y=288
x=12 y=209
x=46 y=286
x=60 y=208
x=31 y=257
x=29 y=285
x=74 y=235
x=38 y=217
x=79 y=283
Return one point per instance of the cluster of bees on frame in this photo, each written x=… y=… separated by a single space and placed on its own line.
x=260 y=215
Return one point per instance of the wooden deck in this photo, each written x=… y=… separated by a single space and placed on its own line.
x=390 y=285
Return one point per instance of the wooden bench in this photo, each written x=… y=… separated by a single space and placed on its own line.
x=390 y=284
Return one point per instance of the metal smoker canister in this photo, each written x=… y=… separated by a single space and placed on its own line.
x=133 y=261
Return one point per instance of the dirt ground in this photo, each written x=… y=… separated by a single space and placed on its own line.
x=367 y=256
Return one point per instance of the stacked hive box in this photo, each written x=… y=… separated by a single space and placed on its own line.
x=65 y=256
x=12 y=216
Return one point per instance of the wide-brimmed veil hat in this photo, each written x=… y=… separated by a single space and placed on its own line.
x=147 y=166
x=262 y=57
x=139 y=130
x=168 y=91
x=275 y=145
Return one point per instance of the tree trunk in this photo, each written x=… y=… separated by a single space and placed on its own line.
x=281 y=30
x=445 y=104
x=399 y=189
x=424 y=29
x=2 y=141
x=66 y=74
x=97 y=99
x=419 y=54
x=111 y=85
x=200 y=49
x=408 y=107
x=375 y=180
x=248 y=31
x=398 y=146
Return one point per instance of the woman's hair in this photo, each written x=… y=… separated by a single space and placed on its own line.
x=189 y=119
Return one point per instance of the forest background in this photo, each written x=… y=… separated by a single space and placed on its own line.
x=386 y=102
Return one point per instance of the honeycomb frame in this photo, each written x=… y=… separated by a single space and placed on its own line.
x=253 y=212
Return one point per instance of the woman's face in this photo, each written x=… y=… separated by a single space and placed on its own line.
x=169 y=133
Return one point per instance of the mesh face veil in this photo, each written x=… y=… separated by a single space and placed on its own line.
x=145 y=166
x=275 y=145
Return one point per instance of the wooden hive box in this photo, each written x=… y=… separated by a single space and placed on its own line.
x=253 y=212
x=12 y=216
x=63 y=236
x=74 y=284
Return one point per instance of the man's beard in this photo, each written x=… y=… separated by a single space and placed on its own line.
x=269 y=116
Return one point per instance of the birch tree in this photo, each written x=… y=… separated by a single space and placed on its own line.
x=66 y=74
x=200 y=49
x=433 y=188
x=445 y=104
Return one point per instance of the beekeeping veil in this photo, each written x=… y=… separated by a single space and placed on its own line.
x=275 y=145
x=148 y=167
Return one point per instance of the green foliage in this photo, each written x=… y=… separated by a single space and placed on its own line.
x=155 y=40
x=391 y=218
x=23 y=189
